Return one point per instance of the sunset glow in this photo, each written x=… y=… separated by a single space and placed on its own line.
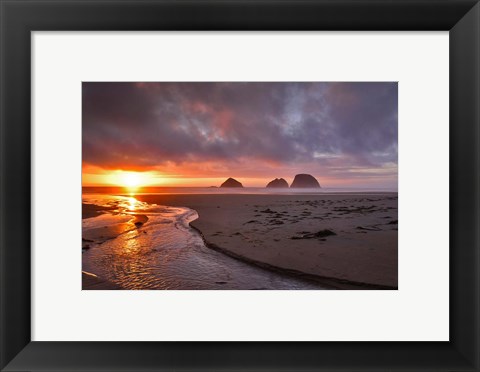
x=130 y=179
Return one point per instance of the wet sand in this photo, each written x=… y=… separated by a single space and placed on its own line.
x=93 y=210
x=109 y=230
x=92 y=282
x=345 y=239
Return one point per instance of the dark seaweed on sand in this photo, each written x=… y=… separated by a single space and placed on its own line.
x=319 y=234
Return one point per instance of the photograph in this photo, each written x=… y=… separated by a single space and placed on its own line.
x=239 y=185
x=226 y=165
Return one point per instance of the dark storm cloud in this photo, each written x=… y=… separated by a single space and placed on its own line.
x=149 y=124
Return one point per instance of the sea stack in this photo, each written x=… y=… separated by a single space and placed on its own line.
x=278 y=183
x=231 y=183
x=305 y=181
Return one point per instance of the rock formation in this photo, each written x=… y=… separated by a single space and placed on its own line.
x=278 y=183
x=231 y=183
x=305 y=181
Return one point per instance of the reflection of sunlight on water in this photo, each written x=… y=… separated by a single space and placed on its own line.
x=122 y=204
x=130 y=245
x=132 y=203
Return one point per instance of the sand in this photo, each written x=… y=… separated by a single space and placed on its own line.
x=92 y=210
x=343 y=238
x=92 y=282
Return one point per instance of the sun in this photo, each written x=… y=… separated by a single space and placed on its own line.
x=130 y=179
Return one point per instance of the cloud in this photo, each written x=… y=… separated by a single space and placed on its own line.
x=327 y=126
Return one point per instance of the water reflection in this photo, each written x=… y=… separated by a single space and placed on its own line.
x=130 y=246
x=132 y=202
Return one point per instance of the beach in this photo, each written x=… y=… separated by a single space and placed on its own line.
x=137 y=245
x=346 y=240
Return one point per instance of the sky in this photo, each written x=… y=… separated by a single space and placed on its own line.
x=198 y=134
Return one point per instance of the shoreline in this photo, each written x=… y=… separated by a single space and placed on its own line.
x=336 y=283
x=111 y=228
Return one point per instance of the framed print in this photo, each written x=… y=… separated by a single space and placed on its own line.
x=239 y=185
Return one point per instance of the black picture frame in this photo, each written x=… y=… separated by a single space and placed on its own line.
x=18 y=18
